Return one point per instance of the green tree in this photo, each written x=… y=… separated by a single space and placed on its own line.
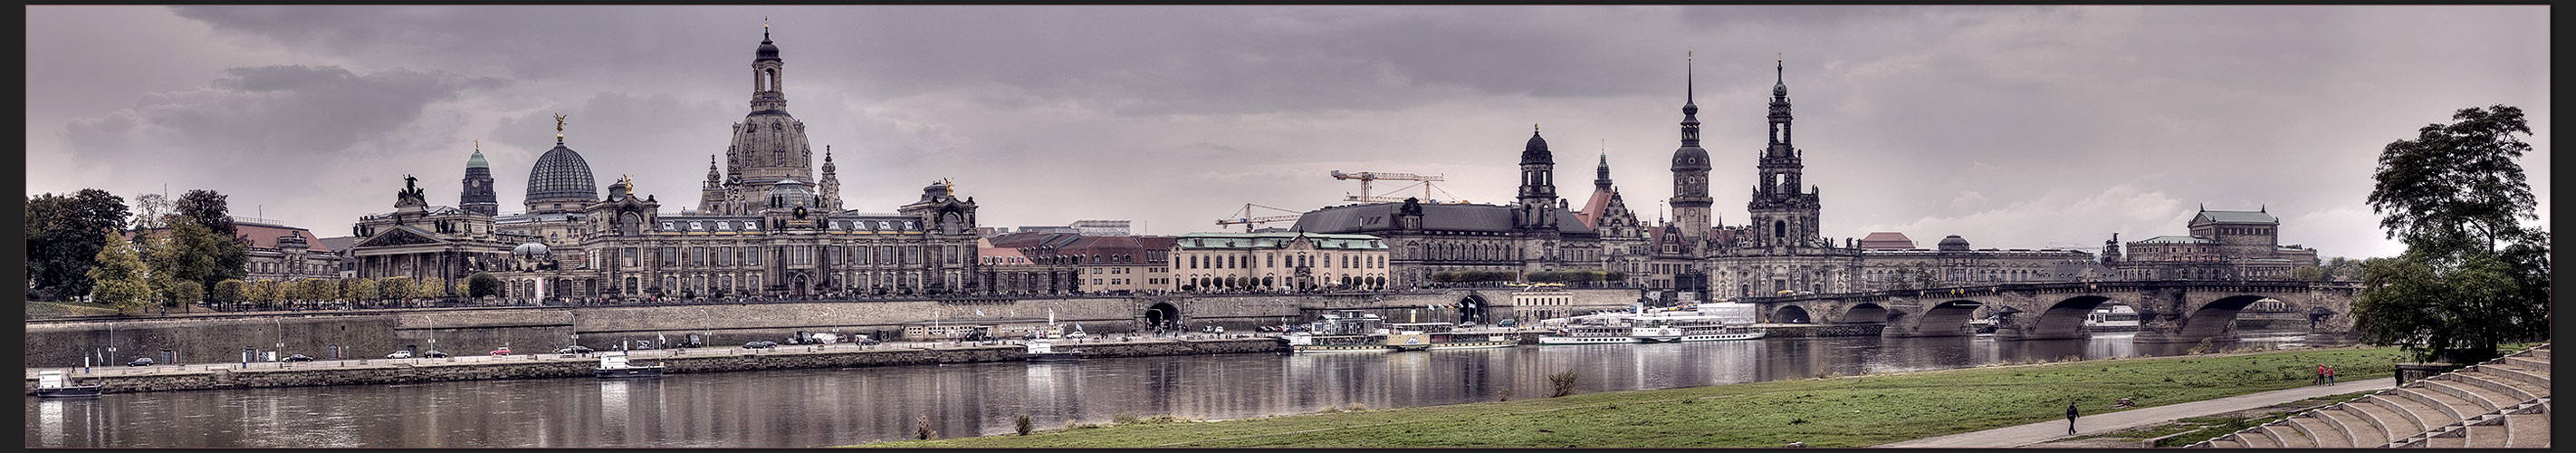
x=359 y=289
x=186 y=293
x=229 y=292
x=63 y=239
x=483 y=284
x=2473 y=276
x=230 y=251
x=265 y=291
x=394 y=288
x=433 y=287
x=119 y=276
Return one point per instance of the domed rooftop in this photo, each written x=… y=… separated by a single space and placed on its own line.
x=477 y=161
x=1954 y=243
x=561 y=174
x=767 y=50
x=1690 y=158
x=1536 y=152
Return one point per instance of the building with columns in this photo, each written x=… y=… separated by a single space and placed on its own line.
x=1538 y=232
x=764 y=226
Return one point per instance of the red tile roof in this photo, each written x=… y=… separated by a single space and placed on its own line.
x=261 y=236
x=1593 y=209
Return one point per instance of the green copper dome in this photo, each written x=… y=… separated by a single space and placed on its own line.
x=477 y=161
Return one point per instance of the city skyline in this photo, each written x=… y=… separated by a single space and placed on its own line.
x=1938 y=121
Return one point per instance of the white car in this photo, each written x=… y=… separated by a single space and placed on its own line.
x=399 y=355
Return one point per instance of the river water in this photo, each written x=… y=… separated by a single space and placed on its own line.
x=825 y=407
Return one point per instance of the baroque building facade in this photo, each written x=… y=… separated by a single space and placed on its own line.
x=1538 y=232
x=762 y=228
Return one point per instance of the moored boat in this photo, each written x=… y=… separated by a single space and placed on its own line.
x=1043 y=350
x=613 y=365
x=55 y=384
x=1341 y=331
x=1589 y=334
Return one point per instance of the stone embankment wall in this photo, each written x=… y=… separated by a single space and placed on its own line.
x=430 y=370
x=472 y=331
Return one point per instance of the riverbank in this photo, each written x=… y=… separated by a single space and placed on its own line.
x=540 y=366
x=1824 y=412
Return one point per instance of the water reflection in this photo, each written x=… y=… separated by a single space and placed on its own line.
x=807 y=408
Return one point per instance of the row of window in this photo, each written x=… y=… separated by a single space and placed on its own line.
x=1330 y=261
x=795 y=255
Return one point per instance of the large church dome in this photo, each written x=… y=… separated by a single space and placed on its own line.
x=561 y=174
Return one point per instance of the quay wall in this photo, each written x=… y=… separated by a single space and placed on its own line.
x=531 y=367
x=471 y=331
x=1821 y=330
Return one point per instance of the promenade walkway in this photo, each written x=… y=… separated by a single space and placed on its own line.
x=2089 y=424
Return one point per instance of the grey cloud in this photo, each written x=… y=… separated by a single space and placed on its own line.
x=261 y=115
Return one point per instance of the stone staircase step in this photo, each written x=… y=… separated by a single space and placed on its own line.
x=2479 y=400
x=2504 y=394
x=2320 y=432
x=2489 y=436
x=2415 y=414
x=2528 y=363
x=2224 y=442
x=2257 y=440
x=2536 y=383
x=2286 y=437
x=2448 y=442
x=2363 y=428
x=2527 y=431
x=2451 y=407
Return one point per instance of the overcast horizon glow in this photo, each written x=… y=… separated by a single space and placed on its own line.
x=2012 y=126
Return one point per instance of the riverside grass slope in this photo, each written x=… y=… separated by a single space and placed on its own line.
x=1854 y=411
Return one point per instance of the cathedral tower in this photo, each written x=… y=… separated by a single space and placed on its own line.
x=1690 y=171
x=1782 y=213
x=477 y=197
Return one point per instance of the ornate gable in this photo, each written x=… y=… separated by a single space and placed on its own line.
x=398 y=236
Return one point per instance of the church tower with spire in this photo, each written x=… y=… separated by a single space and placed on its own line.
x=831 y=185
x=1690 y=171
x=1783 y=213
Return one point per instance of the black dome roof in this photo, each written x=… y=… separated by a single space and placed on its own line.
x=561 y=174
x=1690 y=158
x=1536 y=151
x=1954 y=243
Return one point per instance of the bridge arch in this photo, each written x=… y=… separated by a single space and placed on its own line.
x=2215 y=320
x=1791 y=314
x=2065 y=318
x=1948 y=318
x=1865 y=312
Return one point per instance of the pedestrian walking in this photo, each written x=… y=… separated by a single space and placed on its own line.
x=2321 y=374
x=2070 y=416
x=2330 y=372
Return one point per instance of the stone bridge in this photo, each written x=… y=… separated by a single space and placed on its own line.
x=2169 y=311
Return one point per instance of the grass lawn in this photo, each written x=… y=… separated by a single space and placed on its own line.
x=36 y=309
x=1830 y=412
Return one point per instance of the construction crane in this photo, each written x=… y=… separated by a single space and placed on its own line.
x=1245 y=218
x=1366 y=177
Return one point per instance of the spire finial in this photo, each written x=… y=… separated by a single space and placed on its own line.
x=1689 y=82
x=1533 y=128
x=764 y=29
x=559 y=127
x=827 y=153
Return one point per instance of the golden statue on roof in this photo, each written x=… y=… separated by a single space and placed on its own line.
x=951 y=186
x=559 y=123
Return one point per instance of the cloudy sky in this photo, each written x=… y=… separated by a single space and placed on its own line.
x=2017 y=127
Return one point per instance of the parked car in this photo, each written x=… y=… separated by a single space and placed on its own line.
x=760 y=345
x=399 y=355
x=504 y=350
x=574 y=349
x=433 y=353
x=140 y=361
x=298 y=358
